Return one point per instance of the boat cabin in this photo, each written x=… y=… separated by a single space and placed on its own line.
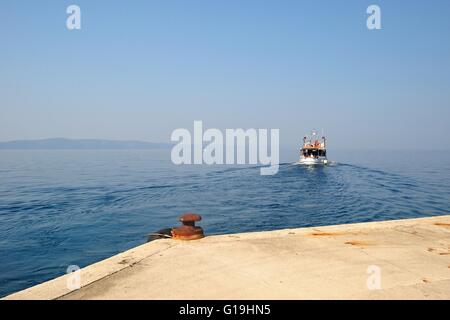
x=313 y=149
x=314 y=152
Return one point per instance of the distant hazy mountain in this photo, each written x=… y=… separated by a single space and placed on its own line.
x=62 y=143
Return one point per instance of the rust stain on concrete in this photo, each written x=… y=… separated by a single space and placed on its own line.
x=440 y=251
x=326 y=234
x=442 y=224
x=359 y=243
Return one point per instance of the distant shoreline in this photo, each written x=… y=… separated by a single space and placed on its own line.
x=80 y=144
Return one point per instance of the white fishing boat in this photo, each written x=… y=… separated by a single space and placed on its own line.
x=314 y=150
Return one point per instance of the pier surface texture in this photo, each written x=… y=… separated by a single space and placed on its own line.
x=401 y=259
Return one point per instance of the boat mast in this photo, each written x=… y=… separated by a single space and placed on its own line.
x=324 y=140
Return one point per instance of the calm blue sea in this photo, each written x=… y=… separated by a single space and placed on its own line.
x=76 y=207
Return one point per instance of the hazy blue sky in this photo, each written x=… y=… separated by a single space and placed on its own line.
x=140 y=69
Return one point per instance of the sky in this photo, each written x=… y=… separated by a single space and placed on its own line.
x=140 y=69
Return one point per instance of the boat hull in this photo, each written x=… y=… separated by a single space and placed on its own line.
x=313 y=161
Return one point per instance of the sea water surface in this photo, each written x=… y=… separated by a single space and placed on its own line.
x=76 y=207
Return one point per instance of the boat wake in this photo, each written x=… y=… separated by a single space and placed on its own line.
x=330 y=163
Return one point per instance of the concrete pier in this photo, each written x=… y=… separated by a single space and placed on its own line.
x=402 y=259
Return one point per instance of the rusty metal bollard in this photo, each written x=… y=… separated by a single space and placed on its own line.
x=188 y=231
